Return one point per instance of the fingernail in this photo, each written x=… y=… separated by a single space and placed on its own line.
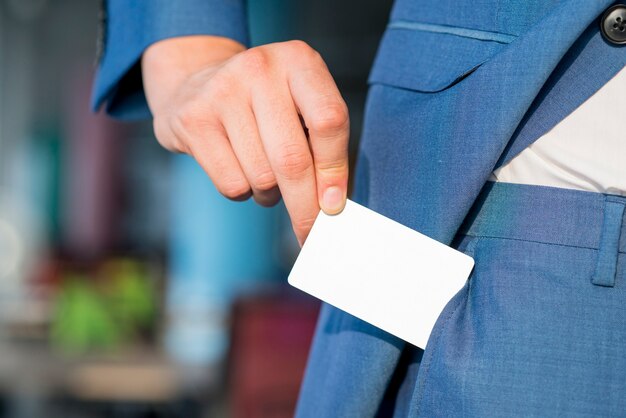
x=332 y=201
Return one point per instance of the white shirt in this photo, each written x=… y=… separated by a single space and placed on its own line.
x=585 y=151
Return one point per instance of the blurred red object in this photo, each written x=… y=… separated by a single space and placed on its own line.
x=270 y=344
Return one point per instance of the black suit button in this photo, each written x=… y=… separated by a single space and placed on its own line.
x=613 y=24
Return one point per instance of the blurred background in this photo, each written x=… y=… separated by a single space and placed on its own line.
x=128 y=286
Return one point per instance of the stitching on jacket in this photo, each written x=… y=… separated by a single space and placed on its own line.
x=480 y=35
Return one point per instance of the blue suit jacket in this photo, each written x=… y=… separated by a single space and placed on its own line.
x=457 y=89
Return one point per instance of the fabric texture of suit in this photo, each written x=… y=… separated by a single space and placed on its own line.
x=457 y=89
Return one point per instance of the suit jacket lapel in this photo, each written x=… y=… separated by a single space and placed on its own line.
x=586 y=67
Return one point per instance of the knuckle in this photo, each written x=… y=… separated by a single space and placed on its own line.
x=264 y=181
x=298 y=44
x=294 y=161
x=255 y=61
x=330 y=119
x=233 y=188
x=332 y=168
x=301 y=48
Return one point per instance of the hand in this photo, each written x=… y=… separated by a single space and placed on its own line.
x=262 y=122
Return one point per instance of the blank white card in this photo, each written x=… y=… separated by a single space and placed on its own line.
x=380 y=271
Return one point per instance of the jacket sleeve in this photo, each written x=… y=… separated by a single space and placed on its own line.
x=128 y=27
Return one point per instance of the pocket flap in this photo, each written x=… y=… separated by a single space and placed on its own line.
x=430 y=58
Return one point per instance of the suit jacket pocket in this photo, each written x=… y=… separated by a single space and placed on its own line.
x=430 y=58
